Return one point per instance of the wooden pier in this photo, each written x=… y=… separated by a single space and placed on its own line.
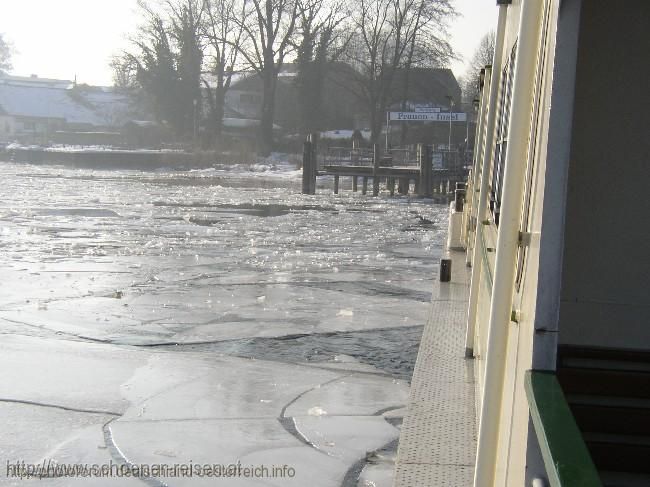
x=396 y=169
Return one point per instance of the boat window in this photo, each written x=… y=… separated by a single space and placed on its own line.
x=532 y=149
x=505 y=101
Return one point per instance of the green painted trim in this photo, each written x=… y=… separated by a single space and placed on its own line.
x=566 y=458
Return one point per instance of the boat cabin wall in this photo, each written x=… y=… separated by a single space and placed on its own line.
x=605 y=293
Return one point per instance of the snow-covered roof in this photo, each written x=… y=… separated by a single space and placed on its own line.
x=112 y=107
x=36 y=81
x=45 y=102
x=244 y=123
x=92 y=106
x=143 y=123
x=343 y=134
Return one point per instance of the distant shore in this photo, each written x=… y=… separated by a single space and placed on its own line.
x=109 y=158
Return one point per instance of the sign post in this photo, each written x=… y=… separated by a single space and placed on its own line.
x=387 y=130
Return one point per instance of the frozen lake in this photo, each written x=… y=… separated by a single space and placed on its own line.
x=209 y=316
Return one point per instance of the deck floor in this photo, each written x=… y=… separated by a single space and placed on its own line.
x=437 y=445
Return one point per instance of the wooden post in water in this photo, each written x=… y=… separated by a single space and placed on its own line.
x=354 y=157
x=425 y=155
x=364 y=186
x=313 y=138
x=306 y=167
x=428 y=158
x=403 y=186
x=390 y=181
x=336 y=184
x=376 y=157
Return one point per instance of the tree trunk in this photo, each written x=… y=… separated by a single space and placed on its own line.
x=217 y=118
x=377 y=116
x=405 y=93
x=216 y=99
x=268 y=111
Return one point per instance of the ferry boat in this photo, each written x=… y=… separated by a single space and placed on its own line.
x=554 y=231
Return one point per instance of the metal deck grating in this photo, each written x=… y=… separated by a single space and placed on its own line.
x=437 y=445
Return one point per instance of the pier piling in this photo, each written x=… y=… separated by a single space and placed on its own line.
x=306 y=166
x=309 y=164
x=376 y=158
x=403 y=186
x=425 y=156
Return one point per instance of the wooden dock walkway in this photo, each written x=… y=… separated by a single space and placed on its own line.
x=397 y=168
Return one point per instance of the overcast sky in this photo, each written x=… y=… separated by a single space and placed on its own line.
x=64 y=38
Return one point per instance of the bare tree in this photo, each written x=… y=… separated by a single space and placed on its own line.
x=223 y=33
x=374 y=51
x=482 y=56
x=393 y=35
x=428 y=45
x=5 y=55
x=268 y=29
x=125 y=72
x=156 y=69
x=186 y=19
x=167 y=62
x=321 y=41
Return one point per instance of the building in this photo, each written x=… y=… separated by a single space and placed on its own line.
x=433 y=87
x=428 y=86
x=40 y=110
x=342 y=110
x=245 y=97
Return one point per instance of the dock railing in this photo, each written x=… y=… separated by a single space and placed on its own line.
x=403 y=157
x=346 y=156
x=363 y=157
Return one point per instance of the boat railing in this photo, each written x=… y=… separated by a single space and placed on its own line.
x=566 y=458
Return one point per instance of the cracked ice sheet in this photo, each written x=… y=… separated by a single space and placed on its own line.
x=322 y=266
x=348 y=438
x=61 y=436
x=253 y=442
x=92 y=233
x=192 y=407
x=380 y=475
x=215 y=313
x=351 y=395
